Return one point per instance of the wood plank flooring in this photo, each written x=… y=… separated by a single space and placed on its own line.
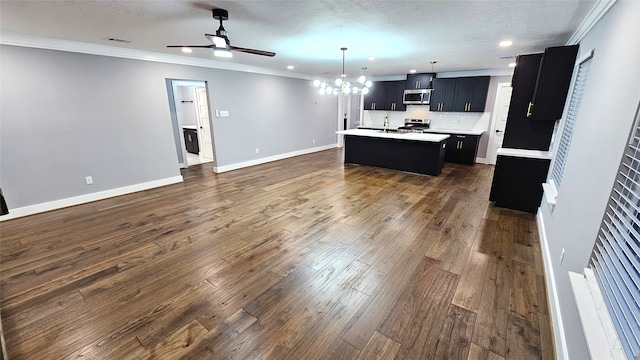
x=303 y=258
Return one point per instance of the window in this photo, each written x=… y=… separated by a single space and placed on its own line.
x=570 y=120
x=616 y=256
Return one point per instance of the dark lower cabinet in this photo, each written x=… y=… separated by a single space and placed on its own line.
x=420 y=157
x=517 y=183
x=191 y=140
x=461 y=149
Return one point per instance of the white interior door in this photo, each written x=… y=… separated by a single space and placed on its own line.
x=499 y=121
x=204 y=126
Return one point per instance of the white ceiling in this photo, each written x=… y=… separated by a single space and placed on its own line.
x=402 y=35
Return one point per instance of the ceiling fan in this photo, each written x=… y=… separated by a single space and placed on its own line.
x=220 y=42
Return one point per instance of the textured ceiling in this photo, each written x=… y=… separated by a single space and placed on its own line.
x=402 y=35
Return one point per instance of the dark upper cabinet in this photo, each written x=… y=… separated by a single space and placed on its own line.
x=395 y=95
x=520 y=131
x=540 y=85
x=375 y=99
x=553 y=82
x=385 y=95
x=442 y=94
x=460 y=94
x=523 y=83
x=418 y=81
x=471 y=94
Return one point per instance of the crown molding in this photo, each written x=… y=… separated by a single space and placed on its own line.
x=597 y=12
x=15 y=39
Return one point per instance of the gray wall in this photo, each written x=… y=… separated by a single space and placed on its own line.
x=66 y=115
x=605 y=119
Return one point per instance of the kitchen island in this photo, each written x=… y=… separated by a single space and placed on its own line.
x=412 y=152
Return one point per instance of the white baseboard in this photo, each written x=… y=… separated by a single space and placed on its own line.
x=221 y=169
x=77 y=200
x=560 y=341
x=480 y=160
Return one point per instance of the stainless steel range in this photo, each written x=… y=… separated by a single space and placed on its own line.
x=415 y=126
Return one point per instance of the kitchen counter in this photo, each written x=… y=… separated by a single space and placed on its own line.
x=395 y=135
x=523 y=153
x=411 y=152
x=434 y=130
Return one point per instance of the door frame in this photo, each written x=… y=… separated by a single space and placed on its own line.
x=494 y=120
x=172 y=87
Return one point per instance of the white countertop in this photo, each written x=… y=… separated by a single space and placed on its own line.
x=395 y=135
x=448 y=131
x=457 y=131
x=532 y=154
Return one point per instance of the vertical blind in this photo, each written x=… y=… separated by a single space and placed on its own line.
x=570 y=121
x=616 y=256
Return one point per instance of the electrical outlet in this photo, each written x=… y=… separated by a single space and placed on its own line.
x=561 y=256
x=89 y=180
x=314 y=141
x=257 y=150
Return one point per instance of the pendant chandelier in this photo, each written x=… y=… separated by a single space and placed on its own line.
x=342 y=85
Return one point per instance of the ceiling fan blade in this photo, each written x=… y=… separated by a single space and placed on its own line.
x=191 y=46
x=252 y=51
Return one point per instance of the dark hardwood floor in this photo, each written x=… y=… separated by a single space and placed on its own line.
x=304 y=258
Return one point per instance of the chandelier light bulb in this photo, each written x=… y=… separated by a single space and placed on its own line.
x=338 y=82
x=365 y=91
x=368 y=84
x=362 y=79
x=322 y=91
x=316 y=83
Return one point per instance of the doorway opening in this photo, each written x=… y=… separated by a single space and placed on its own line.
x=190 y=116
x=499 y=120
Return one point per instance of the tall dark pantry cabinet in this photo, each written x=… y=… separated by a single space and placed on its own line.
x=540 y=85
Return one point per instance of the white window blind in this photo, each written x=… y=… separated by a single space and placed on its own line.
x=572 y=113
x=616 y=256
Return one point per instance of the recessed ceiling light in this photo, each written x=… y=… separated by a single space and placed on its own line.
x=413 y=71
x=506 y=43
x=290 y=67
x=372 y=57
x=186 y=49
x=512 y=65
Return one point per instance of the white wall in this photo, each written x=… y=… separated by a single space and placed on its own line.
x=605 y=119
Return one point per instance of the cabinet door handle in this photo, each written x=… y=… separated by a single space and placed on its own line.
x=418 y=84
x=529 y=109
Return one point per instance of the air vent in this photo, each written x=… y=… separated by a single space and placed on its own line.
x=119 y=40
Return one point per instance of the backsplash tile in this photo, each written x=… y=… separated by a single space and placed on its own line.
x=439 y=120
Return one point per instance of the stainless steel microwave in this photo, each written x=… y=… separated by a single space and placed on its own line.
x=417 y=97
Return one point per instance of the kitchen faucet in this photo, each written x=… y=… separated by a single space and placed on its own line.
x=386 y=123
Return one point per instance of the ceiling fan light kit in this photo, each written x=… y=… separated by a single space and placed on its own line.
x=342 y=85
x=220 y=41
